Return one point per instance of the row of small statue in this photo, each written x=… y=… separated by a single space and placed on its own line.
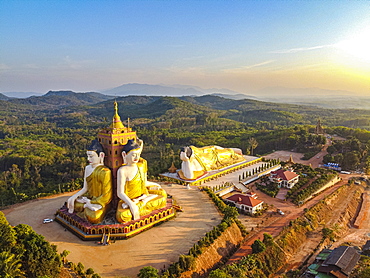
x=137 y=196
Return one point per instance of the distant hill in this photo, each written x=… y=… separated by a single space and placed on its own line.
x=147 y=107
x=4 y=97
x=152 y=90
x=339 y=99
x=20 y=94
x=63 y=99
x=247 y=110
x=170 y=90
x=153 y=109
x=332 y=99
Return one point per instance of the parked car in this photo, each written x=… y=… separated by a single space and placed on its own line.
x=279 y=211
x=47 y=220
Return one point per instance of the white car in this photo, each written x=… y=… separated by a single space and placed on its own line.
x=47 y=220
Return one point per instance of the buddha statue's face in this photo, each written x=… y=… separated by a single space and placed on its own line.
x=93 y=158
x=132 y=157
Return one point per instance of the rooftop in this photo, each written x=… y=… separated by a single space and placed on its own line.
x=244 y=199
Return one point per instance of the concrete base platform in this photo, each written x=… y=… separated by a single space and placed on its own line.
x=87 y=231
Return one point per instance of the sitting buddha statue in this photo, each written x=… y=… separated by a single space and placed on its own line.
x=198 y=161
x=92 y=201
x=138 y=196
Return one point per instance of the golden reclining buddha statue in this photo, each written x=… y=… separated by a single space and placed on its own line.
x=198 y=161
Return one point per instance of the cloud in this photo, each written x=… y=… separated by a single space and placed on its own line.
x=259 y=64
x=75 y=64
x=246 y=68
x=4 y=67
x=31 y=66
x=302 y=49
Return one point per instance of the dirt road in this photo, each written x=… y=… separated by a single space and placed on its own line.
x=275 y=223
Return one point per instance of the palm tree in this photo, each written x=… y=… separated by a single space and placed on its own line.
x=64 y=255
x=253 y=144
x=10 y=266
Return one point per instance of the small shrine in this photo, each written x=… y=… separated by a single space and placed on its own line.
x=116 y=200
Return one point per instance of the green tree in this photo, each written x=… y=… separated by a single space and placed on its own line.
x=148 y=272
x=328 y=233
x=10 y=266
x=187 y=262
x=267 y=239
x=80 y=268
x=7 y=234
x=253 y=144
x=64 y=255
x=39 y=257
x=230 y=212
x=218 y=273
x=258 y=246
x=90 y=271
x=351 y=160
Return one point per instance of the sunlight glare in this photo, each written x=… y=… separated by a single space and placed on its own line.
x=358 y=45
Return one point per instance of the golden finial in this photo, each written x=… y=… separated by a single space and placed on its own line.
x=115 y=107
x=116 y=122
x=172 y=169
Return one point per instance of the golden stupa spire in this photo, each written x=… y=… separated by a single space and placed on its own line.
x=290 y=160
x=172 y=169
x=116 y=123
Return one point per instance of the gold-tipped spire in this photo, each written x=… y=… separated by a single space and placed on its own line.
x=172 y=169
x=116 y=123
x=290 y=160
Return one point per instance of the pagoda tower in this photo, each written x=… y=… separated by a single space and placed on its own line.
x=112 y=139
x=319 y=129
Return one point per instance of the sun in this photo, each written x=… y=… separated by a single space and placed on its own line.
x=358 y=45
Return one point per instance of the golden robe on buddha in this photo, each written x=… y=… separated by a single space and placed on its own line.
x=213 y=157
x=136 y=188
x=99 y=191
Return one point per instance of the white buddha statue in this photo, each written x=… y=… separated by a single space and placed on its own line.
x=138 y=196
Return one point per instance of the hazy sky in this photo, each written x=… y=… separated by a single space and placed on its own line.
x=239 y=45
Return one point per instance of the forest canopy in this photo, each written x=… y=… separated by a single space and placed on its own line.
x=43 y=140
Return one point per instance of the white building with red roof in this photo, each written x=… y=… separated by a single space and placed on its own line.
x=245 y=202
x=285 y=178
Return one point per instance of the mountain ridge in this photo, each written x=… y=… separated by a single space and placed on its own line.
x=339 y=99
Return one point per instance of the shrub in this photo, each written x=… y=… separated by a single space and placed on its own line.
x=258 y=246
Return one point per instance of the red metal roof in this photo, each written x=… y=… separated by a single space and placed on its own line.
x=284 y=174
x=245 y=200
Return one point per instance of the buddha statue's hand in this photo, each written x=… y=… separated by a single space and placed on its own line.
x=89 y=205
x=134 y=211
x=93 y=207
x=138 y=199
x=71 y=204
x=152 y=186
x=83 y=200
x=184 y=157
